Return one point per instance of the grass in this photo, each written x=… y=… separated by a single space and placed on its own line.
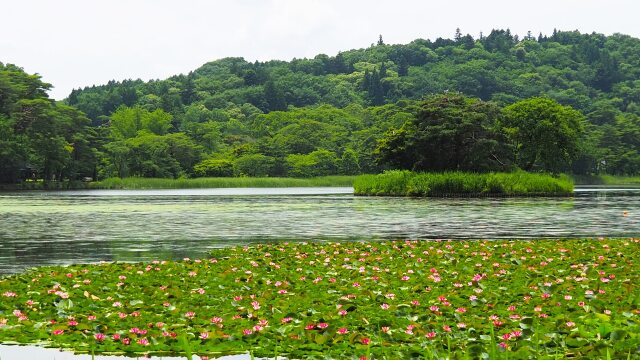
x=538 y=299
x=224 y=182
x=407 y=183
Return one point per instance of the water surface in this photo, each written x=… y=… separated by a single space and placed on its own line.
x=62 y=227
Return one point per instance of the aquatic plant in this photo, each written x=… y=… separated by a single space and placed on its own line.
x=379 y=300
x=222 y=182
x=407 y=183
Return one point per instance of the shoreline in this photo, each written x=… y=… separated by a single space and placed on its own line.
x=245 y=182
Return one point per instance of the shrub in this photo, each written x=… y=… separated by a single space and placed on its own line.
x=214 y=167
x=254 y=165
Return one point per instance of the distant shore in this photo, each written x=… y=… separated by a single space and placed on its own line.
x=136 y=183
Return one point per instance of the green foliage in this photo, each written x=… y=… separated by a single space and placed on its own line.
x=360 y=99
x=13 y=152
x=544 y=134
x=214 y=168
x=127 y=122
x=406 y=183
x=316 y=163
x=450 y=132
x=349 y=163
x=256 y=165
x=40 y=139
x=151 y=155
x=222 y=182
x=390 y=183
x=305 y=136
x=489 y=299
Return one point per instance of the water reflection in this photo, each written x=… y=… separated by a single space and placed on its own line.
x=38 y=228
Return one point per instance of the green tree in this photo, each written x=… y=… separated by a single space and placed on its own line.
x=544 y=134
x=127 y=122
x=449 y=132
x=116 y=161
x=50 y=152
x=305 y=136
x=317 y=163
x=349 y=163
x=274 y=97
x=258 y=165
x=214 y=167
x=158 y=122
x=13 y=153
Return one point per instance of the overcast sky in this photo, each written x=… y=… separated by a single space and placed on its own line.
x=77 y=43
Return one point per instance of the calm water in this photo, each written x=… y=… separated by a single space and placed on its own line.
x=38 y=228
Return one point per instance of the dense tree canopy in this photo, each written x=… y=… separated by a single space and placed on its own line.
x=543 y=134
x=39 y=138
x=449 y=132
x=454 y=132
x=329 y=114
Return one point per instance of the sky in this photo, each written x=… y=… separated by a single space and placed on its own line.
x=78 y=43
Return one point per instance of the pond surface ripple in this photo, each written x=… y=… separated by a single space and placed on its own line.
x=40 y=228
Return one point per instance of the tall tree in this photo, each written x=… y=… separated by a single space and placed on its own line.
x=458 y=36
x=544 y=134
x=274 y=97
x=450 y=132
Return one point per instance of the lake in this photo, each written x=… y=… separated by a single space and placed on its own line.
x=62 y=227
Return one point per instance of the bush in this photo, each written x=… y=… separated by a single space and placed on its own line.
x=214 y=168
x=254 y=165
x=318 y=163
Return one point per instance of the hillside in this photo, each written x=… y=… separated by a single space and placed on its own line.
x=325 y=115
x=595 y=74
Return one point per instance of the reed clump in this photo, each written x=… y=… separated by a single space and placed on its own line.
x=457 y=183
x=136 y=183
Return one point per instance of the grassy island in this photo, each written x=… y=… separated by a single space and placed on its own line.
x=407 y=183
x=543 y=299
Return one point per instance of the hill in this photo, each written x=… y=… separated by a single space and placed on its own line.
x=325 y=115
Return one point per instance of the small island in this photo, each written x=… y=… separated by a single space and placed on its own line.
x=460 y=184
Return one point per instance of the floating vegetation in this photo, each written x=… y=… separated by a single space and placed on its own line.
x=379 y=300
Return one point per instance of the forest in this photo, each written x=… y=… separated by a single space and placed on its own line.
x=566 y=102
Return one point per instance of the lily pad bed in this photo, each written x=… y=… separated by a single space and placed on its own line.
x=379 y=300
